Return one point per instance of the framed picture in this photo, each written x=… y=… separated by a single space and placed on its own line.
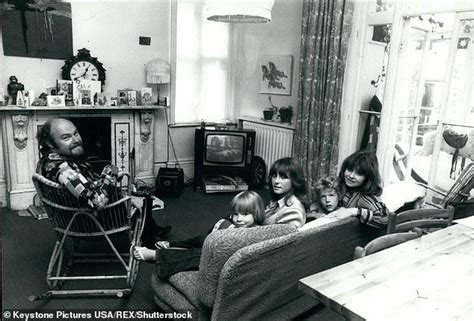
x=132 y=97
x=102 y=99
x=86 y=97
x=79 y=88
x=56 y=100
x=146 y=96
x=122 y=96
x=275 y=75
x=64 y=87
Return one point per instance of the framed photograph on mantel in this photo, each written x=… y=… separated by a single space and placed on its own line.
x=275 y=75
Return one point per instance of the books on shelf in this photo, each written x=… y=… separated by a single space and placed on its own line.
x=223 y=183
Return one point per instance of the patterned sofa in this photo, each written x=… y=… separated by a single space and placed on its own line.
x=252 y=274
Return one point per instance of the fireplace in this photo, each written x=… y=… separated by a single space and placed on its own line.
x=123 y=136
x=96 y=139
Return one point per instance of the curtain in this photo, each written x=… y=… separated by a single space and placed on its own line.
x=326 y=26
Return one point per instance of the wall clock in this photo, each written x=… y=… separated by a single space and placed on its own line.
x=83 y=67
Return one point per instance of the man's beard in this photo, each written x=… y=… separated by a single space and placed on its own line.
x=77 y=151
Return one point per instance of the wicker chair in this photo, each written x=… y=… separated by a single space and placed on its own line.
x=73 y=219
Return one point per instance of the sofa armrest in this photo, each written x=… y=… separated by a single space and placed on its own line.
x=219 y=246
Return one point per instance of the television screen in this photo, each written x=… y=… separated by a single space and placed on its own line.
x=225 y=148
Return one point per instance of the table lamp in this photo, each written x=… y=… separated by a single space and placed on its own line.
x=158 y=72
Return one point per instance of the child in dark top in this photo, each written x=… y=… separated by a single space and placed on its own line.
x=361 y=188
x=247 y=210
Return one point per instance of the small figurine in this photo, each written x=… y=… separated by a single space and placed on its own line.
x=14 y=87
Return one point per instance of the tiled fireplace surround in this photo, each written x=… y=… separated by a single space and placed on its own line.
x=131 y=135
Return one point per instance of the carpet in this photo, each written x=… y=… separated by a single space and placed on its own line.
x=27 y=244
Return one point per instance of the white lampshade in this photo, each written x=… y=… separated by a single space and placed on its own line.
x=157 y=71
x=239 y=11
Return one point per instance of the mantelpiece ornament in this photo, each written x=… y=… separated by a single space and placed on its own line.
x=146 y=118
x=20 y=126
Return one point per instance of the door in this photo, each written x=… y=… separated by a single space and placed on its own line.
x=434 y=136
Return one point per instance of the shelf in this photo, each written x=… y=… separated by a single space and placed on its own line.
x=267 y=122
x=72 y=108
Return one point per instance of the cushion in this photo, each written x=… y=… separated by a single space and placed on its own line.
x=174 y=297
x=219 y=246
x=178 y=293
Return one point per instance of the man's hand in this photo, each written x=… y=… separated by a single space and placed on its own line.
x=343 y=212
x=137 y=202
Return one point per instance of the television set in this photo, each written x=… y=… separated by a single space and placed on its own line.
x=221 y=151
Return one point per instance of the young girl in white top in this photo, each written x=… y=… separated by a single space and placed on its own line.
x=288 y=191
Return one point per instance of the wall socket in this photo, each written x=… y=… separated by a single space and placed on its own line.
x=144 y=41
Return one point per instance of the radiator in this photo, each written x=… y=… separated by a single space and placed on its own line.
x=271 y=142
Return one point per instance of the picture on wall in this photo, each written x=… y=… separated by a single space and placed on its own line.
x=36 y=29
x=275 y=75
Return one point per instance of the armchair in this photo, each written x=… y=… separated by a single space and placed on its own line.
x=73 y=220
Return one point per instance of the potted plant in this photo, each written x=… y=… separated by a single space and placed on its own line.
x=286 y=113
x=268 y=114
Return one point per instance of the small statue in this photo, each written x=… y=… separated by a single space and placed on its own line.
x=14 y=87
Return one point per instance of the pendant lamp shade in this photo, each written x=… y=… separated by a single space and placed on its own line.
x=239 y=11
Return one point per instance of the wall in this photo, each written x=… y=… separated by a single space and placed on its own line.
x=281 y=36
x=110 y=30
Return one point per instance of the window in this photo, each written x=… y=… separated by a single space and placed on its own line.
x=202 y=86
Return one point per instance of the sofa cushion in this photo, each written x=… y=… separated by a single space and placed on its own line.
x=178 y=293
x=220 y=245
x=179 y=289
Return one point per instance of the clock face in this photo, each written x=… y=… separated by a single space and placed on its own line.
x=84 y=70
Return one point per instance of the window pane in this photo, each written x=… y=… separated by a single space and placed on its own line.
x=201 y=65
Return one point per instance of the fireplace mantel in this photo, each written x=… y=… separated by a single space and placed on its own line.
x=11 y=108
x=131 y=130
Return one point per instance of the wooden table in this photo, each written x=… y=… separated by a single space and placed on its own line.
x=429 y=278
